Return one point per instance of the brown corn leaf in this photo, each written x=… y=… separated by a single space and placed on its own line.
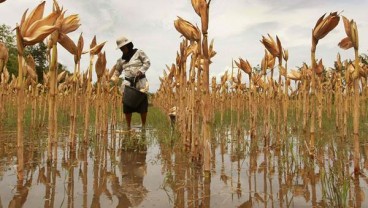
x=339 y=64
x=59 y=20
x=362 y=71
x=4 y=55
x=49 y=20
x=45 y=78
x=97 y=49
x=294 y=75
x=61 y=76
x=70 y=24
x=279 y=47
x=354 y=35
x=319 y=20
x=203 y=11
x=30 y=66
x=193 y=48
x=67 y=43
x=23 y=19
x=196 y=5
x=264 y=64
x=270 y=61
x=30 y=61
x=31 y=72
x=39 y=35
x=178 y=58
x=35 y=15
x=5 y=75
x=345 y=43
x=271 y=45
x=244 y=66
x=187 y=29
x=286 y=55
x=56 y=7
x=319 y=68
x=326 y=25
x=282 y=70
x=93 y=42
x=212 y=53
x=80 y=45
x=100 y=65
x=20 y=44
x=347 y=26
x=112 y=71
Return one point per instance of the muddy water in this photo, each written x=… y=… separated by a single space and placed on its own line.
x=143 y=169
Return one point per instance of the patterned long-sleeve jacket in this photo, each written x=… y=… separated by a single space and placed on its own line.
x=138 y=62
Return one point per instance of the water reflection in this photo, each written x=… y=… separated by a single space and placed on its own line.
x=132 y=166
x=148 y=169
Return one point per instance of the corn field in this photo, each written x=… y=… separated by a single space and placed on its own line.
x=248 y=113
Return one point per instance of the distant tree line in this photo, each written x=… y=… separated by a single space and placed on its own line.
x=38 y=51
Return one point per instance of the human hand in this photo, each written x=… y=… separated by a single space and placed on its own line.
x=139 y=74
x=114 y=78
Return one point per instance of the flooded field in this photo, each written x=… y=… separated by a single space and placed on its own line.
x=273 y=133
x=148 y=168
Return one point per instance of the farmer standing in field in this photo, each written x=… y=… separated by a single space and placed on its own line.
x=134 y=62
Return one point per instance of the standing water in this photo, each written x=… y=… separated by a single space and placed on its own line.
x=148 y=168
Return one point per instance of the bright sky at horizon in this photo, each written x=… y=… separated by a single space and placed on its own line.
x=237 y=26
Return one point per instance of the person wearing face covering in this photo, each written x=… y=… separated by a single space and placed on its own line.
x=134 y=63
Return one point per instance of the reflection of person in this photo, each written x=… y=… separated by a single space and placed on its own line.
x=134 y=63
x=133 y=168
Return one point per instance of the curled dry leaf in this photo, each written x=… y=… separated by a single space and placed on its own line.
x=4 y=55
x=31 y=67
x=325 y=25
x=347 y=26
x=96 y=49
x=294 y=75
x=282 y=70
x=49 y=20
x=319 y=67
x=345 y=43
x=61 y=76
x=70 y=24
x=93 y=42
x=244 y=66
x=286 y=55
x=36 y=14
x=78 y=54
x=100 y=64
x=271 y=45
x=187 y=29
x=39 y=35
x=68 y=44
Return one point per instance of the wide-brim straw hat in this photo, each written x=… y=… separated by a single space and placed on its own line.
x=122 y=41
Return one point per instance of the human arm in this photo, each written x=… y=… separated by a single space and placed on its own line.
x=145 y=63
x=117 y=68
